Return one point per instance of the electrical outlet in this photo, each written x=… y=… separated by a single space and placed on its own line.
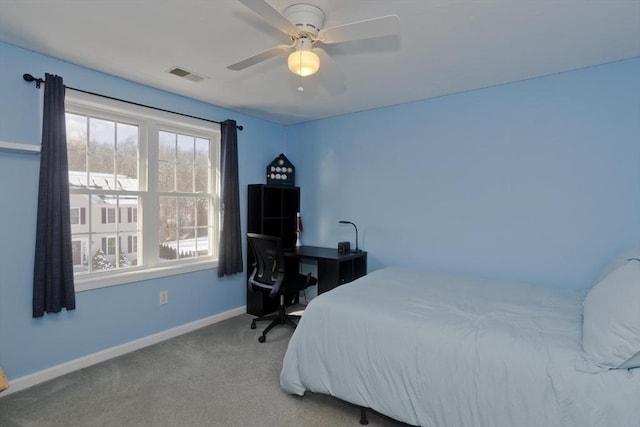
x=164 y=297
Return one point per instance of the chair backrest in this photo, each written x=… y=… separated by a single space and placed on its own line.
x=268 y=263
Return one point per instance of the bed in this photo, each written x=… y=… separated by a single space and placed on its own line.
x=434 y=349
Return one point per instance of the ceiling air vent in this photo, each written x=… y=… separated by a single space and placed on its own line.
x=181 y=72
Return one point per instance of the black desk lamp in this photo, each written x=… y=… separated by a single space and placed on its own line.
x=354 y=226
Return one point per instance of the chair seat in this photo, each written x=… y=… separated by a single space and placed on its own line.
x=297 y=282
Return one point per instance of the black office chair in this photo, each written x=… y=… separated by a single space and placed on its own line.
x=269 y=276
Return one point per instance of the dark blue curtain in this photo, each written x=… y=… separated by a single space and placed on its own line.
x=53 y=286
x=230 y=250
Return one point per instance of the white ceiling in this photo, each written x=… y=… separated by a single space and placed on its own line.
x=444 y=47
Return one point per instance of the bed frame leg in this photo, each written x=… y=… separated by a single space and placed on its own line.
x=363 y=416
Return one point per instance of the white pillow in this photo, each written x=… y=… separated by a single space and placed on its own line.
x=611 y=323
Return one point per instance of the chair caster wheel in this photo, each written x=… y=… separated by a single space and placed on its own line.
x=253 y=326
x=262 y=338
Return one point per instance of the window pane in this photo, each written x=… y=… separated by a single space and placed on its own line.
x=101 y=147
x=201 y=179
x=168 y=232
x=131 y=249
x=187 y=248
x=186 y=234
x=168 y=212
x=187 y=212
x=169 y=236
x=124 y=259
x=166 y=177
x=184 y=177
x=185 y=161
x=76 y=142
x=167 y=159
x=202 y=241
x=127 y=157
x=167 y=146
x=101 y=244
x=79 y=253
x=185 y=149
x=202 y=211
x=168 y=252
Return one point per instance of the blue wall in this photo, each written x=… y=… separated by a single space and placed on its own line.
x=109 y=316
x=536 y=181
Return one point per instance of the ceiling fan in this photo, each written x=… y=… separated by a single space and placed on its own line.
x=303 y=24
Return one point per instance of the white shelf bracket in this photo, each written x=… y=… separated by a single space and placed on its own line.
x=15 y=147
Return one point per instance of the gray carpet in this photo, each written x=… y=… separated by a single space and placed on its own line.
x=216 y=376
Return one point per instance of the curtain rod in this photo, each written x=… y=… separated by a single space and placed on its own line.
x=29 y=78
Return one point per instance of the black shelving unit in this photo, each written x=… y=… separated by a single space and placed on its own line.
x=271 y=210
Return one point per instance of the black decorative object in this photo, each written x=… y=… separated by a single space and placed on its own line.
x=281 y=172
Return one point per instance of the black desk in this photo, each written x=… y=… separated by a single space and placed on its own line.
x=334 y=269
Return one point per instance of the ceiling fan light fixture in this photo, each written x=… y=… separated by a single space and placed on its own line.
x=303 y=62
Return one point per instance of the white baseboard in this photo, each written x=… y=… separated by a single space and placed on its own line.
x=101 y=356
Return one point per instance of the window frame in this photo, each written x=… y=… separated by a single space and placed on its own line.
x=106 y=245
x=80 y=215
x=108 y=215
x=150 y=122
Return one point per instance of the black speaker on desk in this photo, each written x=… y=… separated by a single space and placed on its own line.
x=344 y=247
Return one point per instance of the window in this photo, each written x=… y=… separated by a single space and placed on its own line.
x=125 y=158
x=109 y=246
x=78 y=216
x=108 y=215
x=132 y=215
x=132 y=244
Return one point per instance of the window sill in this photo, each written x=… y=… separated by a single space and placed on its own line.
x=97 y=281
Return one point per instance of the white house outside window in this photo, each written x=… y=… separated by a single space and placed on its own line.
x=143 y=191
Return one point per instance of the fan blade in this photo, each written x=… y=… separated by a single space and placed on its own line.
x=331 y=77
x=262 y=56
x=368 y=28
x=271 y=15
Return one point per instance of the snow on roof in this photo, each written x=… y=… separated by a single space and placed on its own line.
x=102 y=181
x=105 y=181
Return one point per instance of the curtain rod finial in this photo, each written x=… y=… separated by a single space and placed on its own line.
x=29 y=78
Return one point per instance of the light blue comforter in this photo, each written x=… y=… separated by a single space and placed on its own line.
x=434 y=349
